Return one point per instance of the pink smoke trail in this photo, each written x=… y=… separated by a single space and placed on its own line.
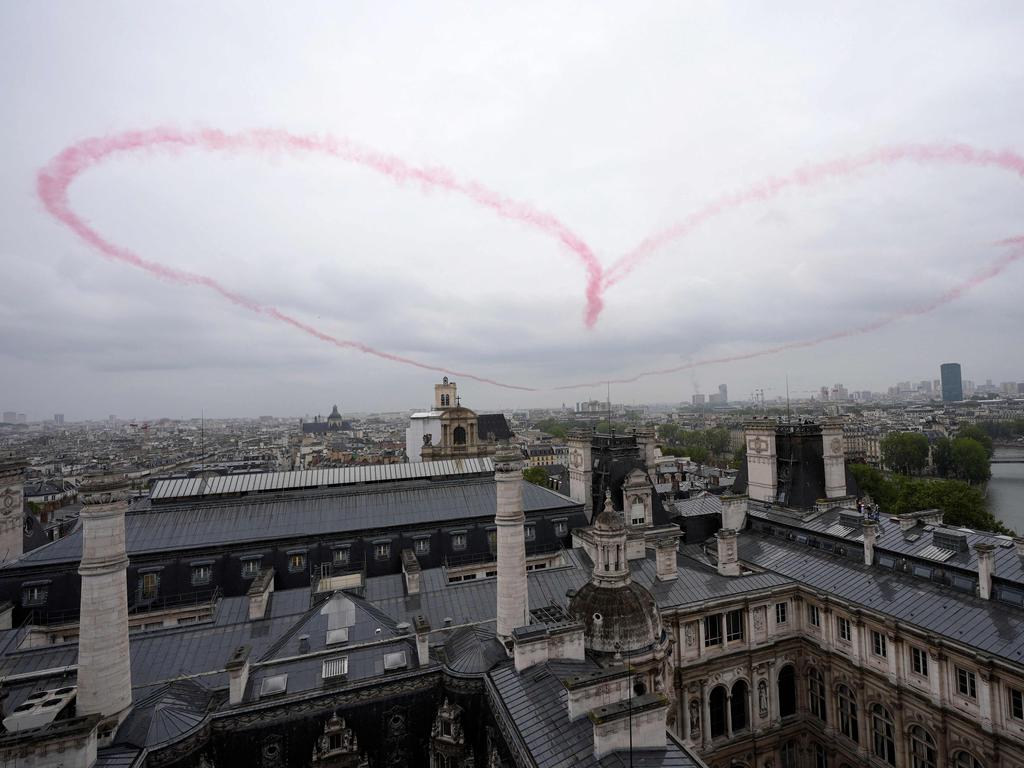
x=952 y=294
x=55 y=179
x=809 y=176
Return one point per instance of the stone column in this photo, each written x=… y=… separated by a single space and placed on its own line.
x=934 y=685
x=705 y=714
x=511 y=542
x=104 y=663
x=985 y=698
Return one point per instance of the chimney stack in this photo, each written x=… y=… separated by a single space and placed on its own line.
x=728 y=557
x=834 y=453
x=665 y=559
x=986 y=568
x=422 y=629
x=734 y=512
x=1018 y=543
x=870 y=534
x=238 y=674
x=762 y=461
x=511 y=540
x=104 y=663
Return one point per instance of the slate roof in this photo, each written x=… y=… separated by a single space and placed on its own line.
x=704 y=504
x=488 y=423
x=166 y=715
x=473 y=650
x=535 y=703
x=301 y=514
x=985 y=625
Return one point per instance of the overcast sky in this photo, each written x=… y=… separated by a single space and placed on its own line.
x=618 y=119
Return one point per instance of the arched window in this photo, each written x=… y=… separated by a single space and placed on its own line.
x=964 y=759
x=848 y=725
x=717 y=711
x=922 y=748
x=820 y=756
x=787 y=691
x=816 y=694
x=788 y=755
x=459 y=435
x=883 y=734
x=739 y=705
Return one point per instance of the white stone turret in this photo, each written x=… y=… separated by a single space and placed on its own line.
x=513 y=610
x=834 y=454
x=581 y=470
x=104 y=665
x=12 y=516
x=762 y=461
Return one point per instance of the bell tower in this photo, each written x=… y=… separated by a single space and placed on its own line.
x=445 y=395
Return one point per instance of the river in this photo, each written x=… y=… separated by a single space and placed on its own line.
x=1006 y=489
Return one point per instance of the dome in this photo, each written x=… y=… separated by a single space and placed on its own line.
x=609 y=520
x=626 y=615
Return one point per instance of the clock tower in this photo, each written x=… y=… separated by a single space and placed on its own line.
x=581 y=470
x=12 y=500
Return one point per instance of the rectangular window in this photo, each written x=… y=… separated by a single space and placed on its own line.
x=734 y=626
x=341 y=555
x=201 y=574
x=712 y=630
x=561 y=528
x=251 y=567
x=845 y=631
x=813 y=615
x=919 y=661
x=1016 y=704
x=781 y=611
x=878 y=644
x=382 y=550
x=492 y=539
x=297 y=562
x=421 y=546
x=35 y=595
x=458 y=541
x=530 y=531
x=966 y=683
x=637 y=514
x=149 y=586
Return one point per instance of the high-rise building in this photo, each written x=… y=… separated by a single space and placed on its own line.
x=952 y=382
x=698 y=400
x=58 y=419
x=10 y=417
x=723 y=394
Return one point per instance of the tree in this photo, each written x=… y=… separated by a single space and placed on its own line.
x=974 y=432
x=970 y=460
x=942 y=456
x=905 y=452
x=536 y=475
x=739 y=457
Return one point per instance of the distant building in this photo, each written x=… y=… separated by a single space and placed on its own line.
x=952 y=383
x=698 y=399
x=451 y=431
x=333 y=423
x=10 y=417
x=58 y=419
x=723 y=393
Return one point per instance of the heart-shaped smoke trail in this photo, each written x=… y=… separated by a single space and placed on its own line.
x=56 y=178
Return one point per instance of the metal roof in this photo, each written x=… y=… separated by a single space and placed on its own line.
x=985 y=625
x=301 y=515
x=262 y=482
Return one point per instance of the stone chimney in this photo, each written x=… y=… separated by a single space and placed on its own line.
x=834 y=453
x=986 y=568
x=411 y=570
x=870 y=534
x=238 y=674
x=104 y=663
x=12 y=504
x=665 y=559
x=728 y=556
x=1018 y=543
x=422 y=629
x=734 y=512
x=511 y=542
x=259 y=593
